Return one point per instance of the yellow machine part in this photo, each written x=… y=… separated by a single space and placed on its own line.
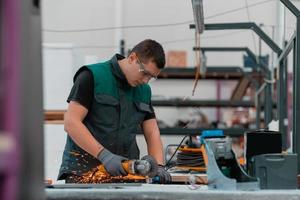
x=102 y=170
x=201 y=150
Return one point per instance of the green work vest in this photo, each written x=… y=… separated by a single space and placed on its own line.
x=114 y=118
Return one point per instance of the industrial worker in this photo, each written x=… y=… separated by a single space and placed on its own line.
x=108 y=103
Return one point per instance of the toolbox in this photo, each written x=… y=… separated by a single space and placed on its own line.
x=275 y=171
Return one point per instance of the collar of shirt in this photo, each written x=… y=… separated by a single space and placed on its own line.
x=116 y=69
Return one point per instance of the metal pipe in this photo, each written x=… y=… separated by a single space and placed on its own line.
x=260 y=90
x=282 y=102
x=280 y=24
x=258 y=103
x=289 y=46
x=244 y=25
x=291 y=7
x=258 y=110
x=233 y=49
x=296 y=93
x=268 y=100
x=218 y=113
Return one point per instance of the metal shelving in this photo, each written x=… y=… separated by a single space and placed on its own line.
x=212 y=72
x=202 y=103
x=197 y=131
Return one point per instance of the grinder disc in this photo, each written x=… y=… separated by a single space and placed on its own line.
x=153 y=165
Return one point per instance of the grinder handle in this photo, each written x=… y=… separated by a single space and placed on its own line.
x=125 y=164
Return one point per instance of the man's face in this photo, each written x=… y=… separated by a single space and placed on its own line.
x=139 y=72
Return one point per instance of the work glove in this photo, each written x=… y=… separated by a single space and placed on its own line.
x=162 y=177
x=112 y=163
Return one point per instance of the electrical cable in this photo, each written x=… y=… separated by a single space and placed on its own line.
x=179 y=145
x=120 y=27
x=197 y=56
x=163 y=42
x=237 y=9
x=155 y=25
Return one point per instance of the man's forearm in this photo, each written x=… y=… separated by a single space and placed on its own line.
x=153 y=140
x=155 y=149
x=83 y=138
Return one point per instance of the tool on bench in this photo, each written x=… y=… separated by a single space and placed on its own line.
x=138 y=171
x=214 y=155
x=190 y=157
x=147 y=166
x=223 y=169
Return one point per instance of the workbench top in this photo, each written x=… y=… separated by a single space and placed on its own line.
x=172 y=192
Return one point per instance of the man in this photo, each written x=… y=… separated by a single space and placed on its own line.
x=107 y=104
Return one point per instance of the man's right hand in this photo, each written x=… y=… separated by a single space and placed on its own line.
x=112 y=163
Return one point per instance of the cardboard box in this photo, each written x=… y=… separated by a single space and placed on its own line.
x=176 y=59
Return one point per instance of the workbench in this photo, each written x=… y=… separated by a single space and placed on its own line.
x=173 y=192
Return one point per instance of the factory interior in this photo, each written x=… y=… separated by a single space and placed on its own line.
x=214 y=115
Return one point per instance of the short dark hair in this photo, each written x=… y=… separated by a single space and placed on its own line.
x=150 y=50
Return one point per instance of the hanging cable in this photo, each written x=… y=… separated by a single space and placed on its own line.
x=119 y=27
x=163 y=42
x=237 y=9
x=197 y=57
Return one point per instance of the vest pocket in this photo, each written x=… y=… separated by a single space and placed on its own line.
x=106 y=110
x=142 y=110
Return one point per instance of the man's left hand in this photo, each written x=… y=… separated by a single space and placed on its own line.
x=162 y=177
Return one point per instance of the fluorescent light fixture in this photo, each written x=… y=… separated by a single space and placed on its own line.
x=198 y=15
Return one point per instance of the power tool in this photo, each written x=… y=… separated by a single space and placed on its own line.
x=147 y=166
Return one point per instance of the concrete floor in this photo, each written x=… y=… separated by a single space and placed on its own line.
x=172 y=192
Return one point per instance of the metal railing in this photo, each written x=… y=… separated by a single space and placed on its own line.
x=294 y=43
